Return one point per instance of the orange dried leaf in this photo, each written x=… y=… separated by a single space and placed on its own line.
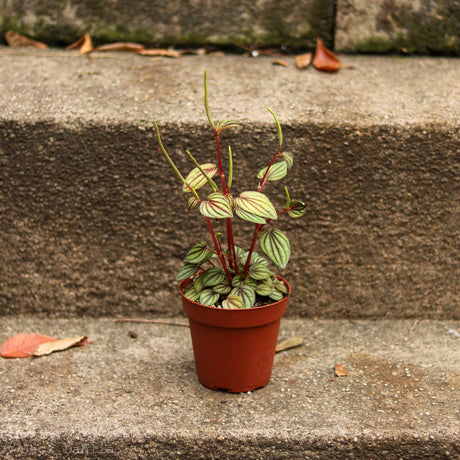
x=302 y=61
x=130 y=47
x=292 y=342
x=59 y=345
x=23 y=345
x=16 y=40
x=324 y=59
x=340 y=371
x=83 y=45
x=280 y=62
x=160 y=52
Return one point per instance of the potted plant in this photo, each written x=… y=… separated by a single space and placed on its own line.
x=233 y=299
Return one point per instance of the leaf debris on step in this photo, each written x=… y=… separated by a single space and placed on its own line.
x=340 y=371
x=292 y=342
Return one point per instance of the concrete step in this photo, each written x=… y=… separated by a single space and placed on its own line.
x=122 y=397
x=92 y=219
x=380 y=26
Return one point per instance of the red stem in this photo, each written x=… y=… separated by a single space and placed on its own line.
x=264 y=178
x=219 y=252
x=251 y=249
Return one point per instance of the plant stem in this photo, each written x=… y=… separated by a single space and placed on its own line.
x=251 y=249
x=218 y=250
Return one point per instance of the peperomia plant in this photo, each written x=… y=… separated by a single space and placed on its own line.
x=224 y=274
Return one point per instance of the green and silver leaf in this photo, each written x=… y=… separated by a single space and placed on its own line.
x=233 y=302
x=280 y=286
x=246 y=293
x=199 y=254
x=297 y=209
x=288 y=158
x=226 y=124
x=196 y=179
x=191 y=293
x=264 y=289
x=259 y=271
x=187 y=271
x=276 y=172
x=192 y=203
x=216 y=207
x=275 y=295
x=275 y=244
x=250 y=217
x=212 y=277
x=208 y=297
x=222 y=288
x=256 y=204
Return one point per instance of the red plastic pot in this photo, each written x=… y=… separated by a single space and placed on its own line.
x=234 y=349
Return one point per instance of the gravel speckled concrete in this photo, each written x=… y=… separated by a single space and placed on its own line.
x=121 y=397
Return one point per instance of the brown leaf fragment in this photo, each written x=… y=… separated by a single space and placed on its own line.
x=302 y=61
x=280 y=62
x=84 y=45
x=23 y=345
x=160 y=52
x=120 y=46
x=292 y=342
x=340 y=371
x=59 y=345
x=16 y=41
x=324 y=59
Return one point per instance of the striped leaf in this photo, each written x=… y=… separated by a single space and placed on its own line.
x=275 y=295
x=264 y=289
x=246 y=293
x=187 y=271
x=259 y=271
x=280 y=286
x=288 y=158
x=297 y=209
x=192 y=203
x=276 y=245
x=212 y=277
x=250 y=217
x=196 y=179
x=216 y=207
x=222 y=288
x=276 y=172
x=199 y=254
x=233 y=302
x=191 y=294
x=208 y=297
x=255 y=258
x=256 y=203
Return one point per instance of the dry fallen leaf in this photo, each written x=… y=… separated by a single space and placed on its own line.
x=280 y=62
x=160 y=52
x=131 y=47
x=59 y=345
x=302 y=61
x=23 y=345
x=292 y=342
x=324 y=59
x=16 y=40
x=84 y=45
x=340 y=371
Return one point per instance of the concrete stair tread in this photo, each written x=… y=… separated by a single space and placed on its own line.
x=64 y=87
x=121 y=397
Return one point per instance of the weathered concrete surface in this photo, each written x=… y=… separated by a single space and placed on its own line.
x=379 y=26
x=92 y=220
x=191 y=23
x=384 y=26
x=121 y=397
